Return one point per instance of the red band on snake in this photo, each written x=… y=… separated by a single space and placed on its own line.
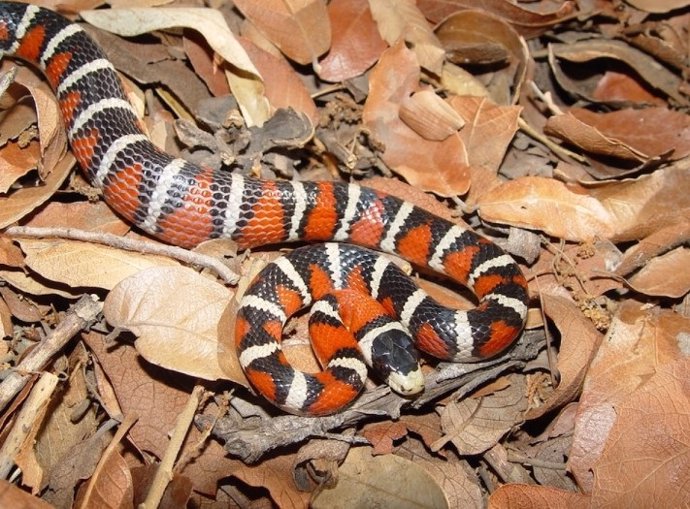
x=185 y=204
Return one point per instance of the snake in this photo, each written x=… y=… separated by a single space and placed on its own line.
x=365 y=310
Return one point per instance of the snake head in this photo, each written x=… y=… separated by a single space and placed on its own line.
x=395 y=359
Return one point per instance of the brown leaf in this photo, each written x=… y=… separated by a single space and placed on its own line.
x=174 y=312
x=640 y=341
x=476 y=425
x=52 y=136
x=112 y=488
x=644 y=65
x=275 y=475
x=616 y=87
x=300 y=28
x=658 y=6
x=529 y=22
x=16 y=160
x=401 y=19
x=356 y=44
x=618 y=211
x=246 y=86
x=382 y=435
x=22 y=201
x=12 y=495
x=573 y=130
x=486 y=121
x=470 y=38
x=637 y=135
x=366 y=481
x=94 y=217
x=430 y=116
x=579 y=343
x=434 y=166
x=284 y=88
x=83 y=264
x=647 y=452
x=562 y=210
x=665 y=276
x=536 y=497
x=203 y=59
x=655 y=244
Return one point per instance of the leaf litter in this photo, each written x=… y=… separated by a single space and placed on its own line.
x=559 y=129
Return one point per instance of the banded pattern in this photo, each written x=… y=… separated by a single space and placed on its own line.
x=184 y=204
x=339 y=279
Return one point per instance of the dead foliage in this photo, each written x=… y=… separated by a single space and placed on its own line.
x=558 y=128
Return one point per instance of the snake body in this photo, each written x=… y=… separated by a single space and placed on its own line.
x=184 y=204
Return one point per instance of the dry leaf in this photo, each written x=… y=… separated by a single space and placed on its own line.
x=646 y=458
x=12 y=495
x=664 y=276
x=646 y=67
x=527 y=21
x=434 y=166
x=300 y=28
x=486 y=120
x=618 y=211
x=639 y=342
x=474 y=37
x=173 y=312
x=284 y=88
x=112 y=488
x=659 y=6
x=390 y=481
x=84 y=264
x=430 y=116
x=579 y=343
x=635 y=135
x=476 y=425
x=356 y=44
x=537 y=497
x=401 y=19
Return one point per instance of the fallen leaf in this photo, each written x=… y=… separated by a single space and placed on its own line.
x=85 y=264
x=112 y=487
x=646 y=456
x=651 y=71
x=664 y=276
x=173 y=312
x=284 y=88
x=300 y=28
x=659 y=6
x=528 y=22
x=578 y=345
x=381 y=481
x=401 y=19
x=440 y=167
x=537 y=497
x=476 y=425
x=618 y=211
x=472 y=37
x=639 y=342
x=637 y=135
x=356 y=43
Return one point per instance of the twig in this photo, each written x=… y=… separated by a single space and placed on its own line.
x=164 y=474
x=555 y=147
x=80 y=316
x=535 y=462
x=33 y=408
x=127 y=423
x=141 y=246
x=251 y=439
